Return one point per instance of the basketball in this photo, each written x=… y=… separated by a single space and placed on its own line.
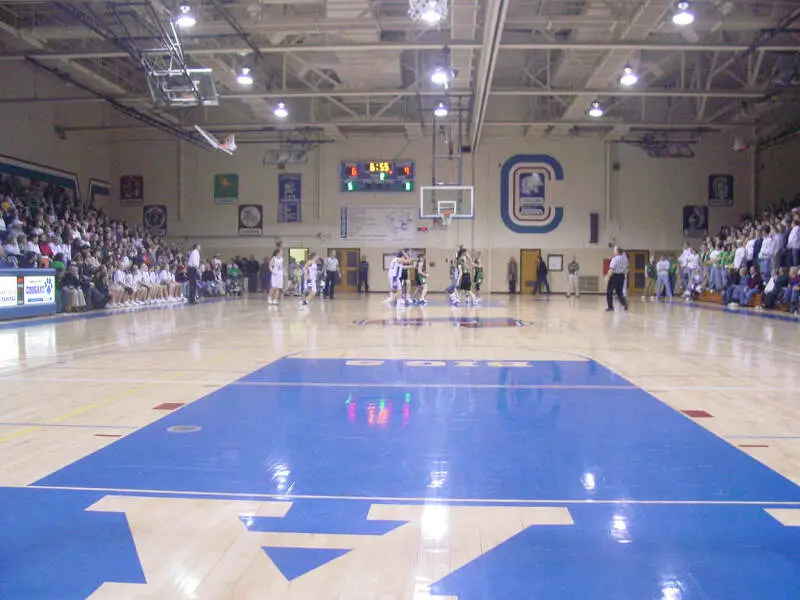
x=433 y=263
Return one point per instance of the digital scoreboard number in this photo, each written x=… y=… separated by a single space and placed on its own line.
x=377 y=176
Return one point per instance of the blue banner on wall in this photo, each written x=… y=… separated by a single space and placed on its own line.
x=290 y=192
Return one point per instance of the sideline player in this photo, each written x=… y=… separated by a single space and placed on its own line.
x=276 y=279
x=310 y=276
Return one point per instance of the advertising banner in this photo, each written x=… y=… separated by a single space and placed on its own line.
x=39 y=289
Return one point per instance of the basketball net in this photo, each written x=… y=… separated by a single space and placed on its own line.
x=445 y=218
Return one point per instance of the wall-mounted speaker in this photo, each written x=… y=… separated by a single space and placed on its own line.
x=594 y=228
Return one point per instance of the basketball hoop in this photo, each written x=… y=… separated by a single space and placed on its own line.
x=445 y=217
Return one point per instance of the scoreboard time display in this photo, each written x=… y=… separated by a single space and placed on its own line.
x=377 y=176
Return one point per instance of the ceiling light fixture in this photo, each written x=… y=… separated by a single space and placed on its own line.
x=628 y=78
x=441 y=76
x=244 y=77
x=440 y=110
x=186 y=18
x=684 y=16
x=595 y=110
x=280 y=110
x=431 y=14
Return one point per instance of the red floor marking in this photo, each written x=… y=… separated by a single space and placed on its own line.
x=697 y=414
x=169 y=406
x=753 y=446
x=107 y=435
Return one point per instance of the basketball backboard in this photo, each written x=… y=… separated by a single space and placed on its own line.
x=455 y=199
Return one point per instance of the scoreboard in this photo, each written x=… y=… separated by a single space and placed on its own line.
x=377 y=176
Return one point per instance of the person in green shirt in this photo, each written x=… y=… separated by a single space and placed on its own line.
x=651 y=276
x=234 y=271
x=673 y=271
x=234 y=283
x=61 y=268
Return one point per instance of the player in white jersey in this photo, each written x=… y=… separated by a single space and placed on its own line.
x=395 y=283
x=276 y=268
x=166 y=279
x=310 y=277
x=132 y=284
x=160 y=291
x=117 y=289
x=149 y=289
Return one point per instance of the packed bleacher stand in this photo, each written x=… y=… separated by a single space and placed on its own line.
x=755 y=264
x=99 y=262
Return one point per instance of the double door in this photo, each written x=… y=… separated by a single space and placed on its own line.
x=349 y=262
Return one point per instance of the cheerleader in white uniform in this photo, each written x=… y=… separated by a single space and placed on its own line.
x=276 y=269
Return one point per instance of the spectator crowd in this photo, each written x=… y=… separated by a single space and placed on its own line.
x=756 y=263
x=99 y=262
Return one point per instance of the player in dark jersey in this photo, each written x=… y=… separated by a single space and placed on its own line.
x=405 y=265
x=464 y=276
x=478 y=275
x=421 y=279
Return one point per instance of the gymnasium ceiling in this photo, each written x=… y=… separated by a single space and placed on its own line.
x=530 y=67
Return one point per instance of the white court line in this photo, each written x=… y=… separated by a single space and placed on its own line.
x=403 y=499
x=339 y=384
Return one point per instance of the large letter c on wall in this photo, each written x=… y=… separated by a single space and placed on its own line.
x=525 y=204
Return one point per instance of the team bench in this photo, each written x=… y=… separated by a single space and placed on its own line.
x=716 y=298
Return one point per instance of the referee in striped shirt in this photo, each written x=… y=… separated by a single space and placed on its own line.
x=616 y=279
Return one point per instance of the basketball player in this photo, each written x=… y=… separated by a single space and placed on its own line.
x=395 y=285
x=405 y=264
x=452 y=289
x=421 y=279
x=310 y=276
x=276 y=279
x=464 y=278
x=478 y=274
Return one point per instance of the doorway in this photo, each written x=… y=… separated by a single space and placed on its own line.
x=528 y=264
x=349 y=261
x=637 y=276
x=300 y=255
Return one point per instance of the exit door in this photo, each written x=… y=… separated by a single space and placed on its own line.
x=637 y=276
x=349 y=261
x=528 y=264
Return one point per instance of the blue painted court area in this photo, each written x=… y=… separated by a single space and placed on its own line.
x=639 y=481
x=509 y=431
x=52 y=548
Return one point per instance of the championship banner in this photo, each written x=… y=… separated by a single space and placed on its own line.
x=154 y=218
x=226 y=188
x=720 y=190
x=695 y=221
x=289 y=197
x=251 y=219
x=131 y=190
